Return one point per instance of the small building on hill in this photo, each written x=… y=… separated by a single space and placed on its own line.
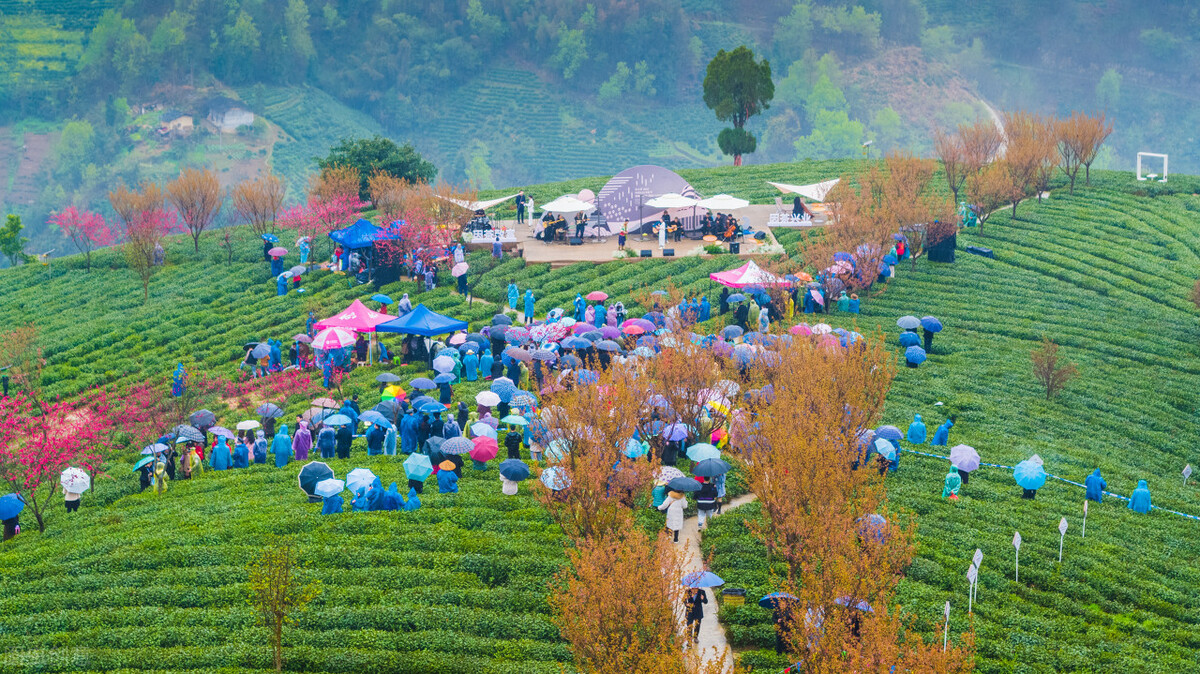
x=227 y=114
x=174 y=121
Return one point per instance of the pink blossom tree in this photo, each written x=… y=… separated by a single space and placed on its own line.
x=87 y=230
x=320 y=216
x=40 y=439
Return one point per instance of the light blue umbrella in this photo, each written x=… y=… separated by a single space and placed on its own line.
x=373 y=417
x=359 y=477
x=915 y=355
x=731 y=332
x=556 y=478
x=480 y=429
x=908 y=339
x=886 y=449
x=702 y=451
x=382 y=299
x=423 y=384
x=330 y=487
x=1029 y=474
x=908 y=322
x=634 y=449
x=702 y=579
x=337 y=420
x=417 y=467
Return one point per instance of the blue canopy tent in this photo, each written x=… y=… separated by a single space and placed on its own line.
x=359 y=235
x=424 y=322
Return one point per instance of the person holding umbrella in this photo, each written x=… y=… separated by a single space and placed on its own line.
x=706 y=502
x=302 y=441
x=345 y=436
x=674 y=506
x=695 y=601
x=222 y=458
x=74 y=482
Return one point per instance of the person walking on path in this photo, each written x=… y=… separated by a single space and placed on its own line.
x=529 y=303
x=674 y=506
x=695 y=602
x=513 y=294
x=706 y=502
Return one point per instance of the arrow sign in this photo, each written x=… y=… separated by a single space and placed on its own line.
x=1062 y=533
x=1017 y=560
x=1187 y=472
x=972 y=576
x=977 y=559
x=946 y=633
x=1084 y=535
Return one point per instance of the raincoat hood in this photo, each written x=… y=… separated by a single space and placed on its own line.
x=1141 y=484
x=260 y=434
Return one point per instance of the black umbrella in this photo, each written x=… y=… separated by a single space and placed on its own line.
x=389 y=409
x=188 y=433
x=608 y=345
x=269 y=411
x=312 y=473
x=592 y=335
x=501 y=319
x=387 y=378
x=710 y=468
x=249 y=345
x=514 y=469
x=202 y=419
x=684 y=484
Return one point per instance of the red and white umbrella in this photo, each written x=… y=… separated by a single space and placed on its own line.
x=333 y=338
x=596 y=296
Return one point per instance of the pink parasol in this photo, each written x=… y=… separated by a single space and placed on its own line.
x=596 y=296
x=277 y=252
x=459 y=269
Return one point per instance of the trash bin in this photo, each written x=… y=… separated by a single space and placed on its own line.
x=733 y=596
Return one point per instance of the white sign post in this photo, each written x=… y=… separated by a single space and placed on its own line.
x=1017 y=559
x=977 y=559
x=946 y=633
x=1084 y=535
x=1062 y=534
x=1187 y=472
x=972 y=574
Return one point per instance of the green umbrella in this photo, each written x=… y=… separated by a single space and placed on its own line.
x=515 y=420
x=137 y=466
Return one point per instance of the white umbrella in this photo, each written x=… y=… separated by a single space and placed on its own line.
x=248 y=425
x=75 y=480
x=723 y=202
x=359 y=477
x=568 y=204
x=672 y=200
x=487 y=398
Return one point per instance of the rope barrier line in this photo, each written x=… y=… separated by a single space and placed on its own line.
x=1060 y=479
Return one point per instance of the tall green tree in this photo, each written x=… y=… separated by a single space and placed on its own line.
x=736 y=87
x=12 y=244
x=379 y=155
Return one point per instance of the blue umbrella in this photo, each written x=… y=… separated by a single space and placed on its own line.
x=931 y=324
x=675 y=432
x=908 y=339
x=776 y=599
x=889 y=432
x=634 y=449
x=711 y=468
x=890 y=259
x=850 y=603
x=576 y=343
x=914 y=355
x=423 y=384
x=270 y=237
x=736 y=297
x=506 y=391
x=514 y=469
x=373 y=417
x=702 y=451
x=480 y=429
x=885 y=448
x=139 y=464
x=337 y=420
x=556 y=478
x=431 y=407
x=908 y=322
x=593 y=335
x=586 y=377
x=1029 y=474
x=501 y=319
x=420 y=400
x=418 y=467
x=444 y=378
x=382 y=299
x=12 y=504
x=873 y=525
x=702 y=579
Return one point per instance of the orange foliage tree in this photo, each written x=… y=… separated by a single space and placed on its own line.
x=196 y=194
x=258 y=201
x=817 y=498
x=989 y=189
x=1028 y=149
x=334 y=182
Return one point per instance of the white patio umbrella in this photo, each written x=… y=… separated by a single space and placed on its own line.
x=723 y=202
x=568 y=204
x=672 y=200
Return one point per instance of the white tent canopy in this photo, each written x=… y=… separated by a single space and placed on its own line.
x=568 y=204
x=815 y=191
x=672 y=200
x=478 y=205
x=723 y=202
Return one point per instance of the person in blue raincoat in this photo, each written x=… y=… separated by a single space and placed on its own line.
x=854 y=304
x=513 y=295
x=305 y=249
x=359 y=502
x=413 y=501
x=485 y=365
x=1095 y=486
x=392 y=500
x=349 y=411
x=281 y=288
x=332 y=505
x=916 y=431
x=471 y=366
x=326 y=442
x=276 y=265
x=843 y=302
x=241 y=456
x=529 y=302
x=260 y=448
x=447 y=481
x=276 y=358
x=1139 y=500
x=705 y=309
x=601 y=314
x=580 y=307
x=375 y=438
x=408 y=432
x=942 y=435
x=281 y=447
x=221 y=459
x=404 y=306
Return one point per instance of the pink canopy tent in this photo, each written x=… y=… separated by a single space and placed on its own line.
x=748 y=274
x=355 y=317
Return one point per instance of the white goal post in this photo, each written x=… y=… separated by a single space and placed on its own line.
x=1151 y=176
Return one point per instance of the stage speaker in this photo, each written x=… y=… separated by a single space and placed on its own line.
x=761 y=236
x=735 y=247
x=668 y=252
x=576 y=241
x=647 y=253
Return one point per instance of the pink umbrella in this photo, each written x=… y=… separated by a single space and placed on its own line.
x=633 y=329
x=277 y=252
x=458 y=339
x=459 y=269
x=801 y=329
x=817 y=297
x=333 y=338
x=596 y=296
x=485 y=448
x=302 y=338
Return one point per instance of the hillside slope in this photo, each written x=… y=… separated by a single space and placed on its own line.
x=1106 y=273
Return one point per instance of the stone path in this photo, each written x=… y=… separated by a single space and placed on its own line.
x=712 y=635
